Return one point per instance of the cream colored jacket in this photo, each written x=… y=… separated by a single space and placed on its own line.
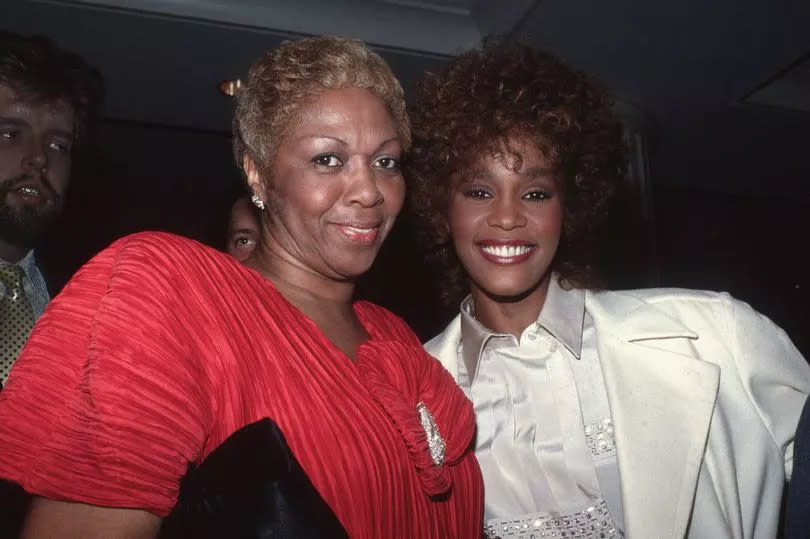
x=705 y=394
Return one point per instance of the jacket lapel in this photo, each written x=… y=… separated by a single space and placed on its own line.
x=661 y=399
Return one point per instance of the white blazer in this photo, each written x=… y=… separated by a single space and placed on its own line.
x=705 y=394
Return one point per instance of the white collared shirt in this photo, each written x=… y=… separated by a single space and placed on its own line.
x=544 y=439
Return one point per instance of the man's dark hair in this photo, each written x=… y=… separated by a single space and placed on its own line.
x=38 y=71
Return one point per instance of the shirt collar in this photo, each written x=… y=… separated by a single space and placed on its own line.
x=28 y=263
x=562 y=315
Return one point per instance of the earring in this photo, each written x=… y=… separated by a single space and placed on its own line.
x=257 y=201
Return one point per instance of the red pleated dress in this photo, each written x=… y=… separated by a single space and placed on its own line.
x=159 y=348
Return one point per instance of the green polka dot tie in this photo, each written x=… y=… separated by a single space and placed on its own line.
x=16 y=315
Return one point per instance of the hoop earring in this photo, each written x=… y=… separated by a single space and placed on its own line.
x=257 y=201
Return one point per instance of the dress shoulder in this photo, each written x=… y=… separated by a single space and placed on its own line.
x=385 y=324
x=663 y=295
x=164 y=251
x=110 y=362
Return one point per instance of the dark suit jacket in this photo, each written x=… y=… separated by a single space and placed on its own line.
x=797 y=514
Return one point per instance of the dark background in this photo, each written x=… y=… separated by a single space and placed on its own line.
x=728 y=198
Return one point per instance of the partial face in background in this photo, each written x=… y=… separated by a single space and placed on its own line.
x=243 y=229
x=334 y=187
x=35 y=154
x=506 y=220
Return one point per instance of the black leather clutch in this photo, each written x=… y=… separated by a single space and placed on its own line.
x=14 y=503
x=251 y=486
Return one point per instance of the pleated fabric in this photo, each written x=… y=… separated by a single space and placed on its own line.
x=159 y=348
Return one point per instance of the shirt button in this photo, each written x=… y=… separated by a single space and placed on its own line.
x=552 y=346
x=531 y=335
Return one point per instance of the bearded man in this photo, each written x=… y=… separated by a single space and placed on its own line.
x=47 y=97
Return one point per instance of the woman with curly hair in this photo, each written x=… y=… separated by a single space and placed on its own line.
x=644 y=413
x=253 y=399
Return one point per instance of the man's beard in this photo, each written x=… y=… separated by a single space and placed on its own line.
x=25 y=225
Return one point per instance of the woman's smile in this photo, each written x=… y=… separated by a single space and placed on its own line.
x=359 y=233
x=506 y=252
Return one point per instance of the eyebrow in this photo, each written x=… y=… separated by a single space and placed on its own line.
x=475 y=174
x=387 y=141
x=61 y=133
x=344 y=143
x=539 y=172
x=13 y=121
x=472 y=174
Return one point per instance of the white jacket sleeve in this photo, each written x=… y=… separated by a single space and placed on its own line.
x=774 y=372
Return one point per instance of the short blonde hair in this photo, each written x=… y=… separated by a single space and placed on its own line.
x=283 y=79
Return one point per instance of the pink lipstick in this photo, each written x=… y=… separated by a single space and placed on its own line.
x=359 y=233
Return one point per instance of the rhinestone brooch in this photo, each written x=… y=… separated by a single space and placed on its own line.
x=434 y=439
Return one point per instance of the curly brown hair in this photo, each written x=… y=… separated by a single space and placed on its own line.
x=476 y=103
x=285 y=78
x=38 y=71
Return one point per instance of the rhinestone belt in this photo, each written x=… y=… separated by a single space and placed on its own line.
x=593 y=522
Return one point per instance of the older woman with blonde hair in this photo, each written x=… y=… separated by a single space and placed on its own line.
x=163 y=355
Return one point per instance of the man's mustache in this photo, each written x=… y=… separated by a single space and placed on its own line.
x=45 y=188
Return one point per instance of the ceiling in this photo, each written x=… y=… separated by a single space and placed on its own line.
x=790 y=89
x=691 y=68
